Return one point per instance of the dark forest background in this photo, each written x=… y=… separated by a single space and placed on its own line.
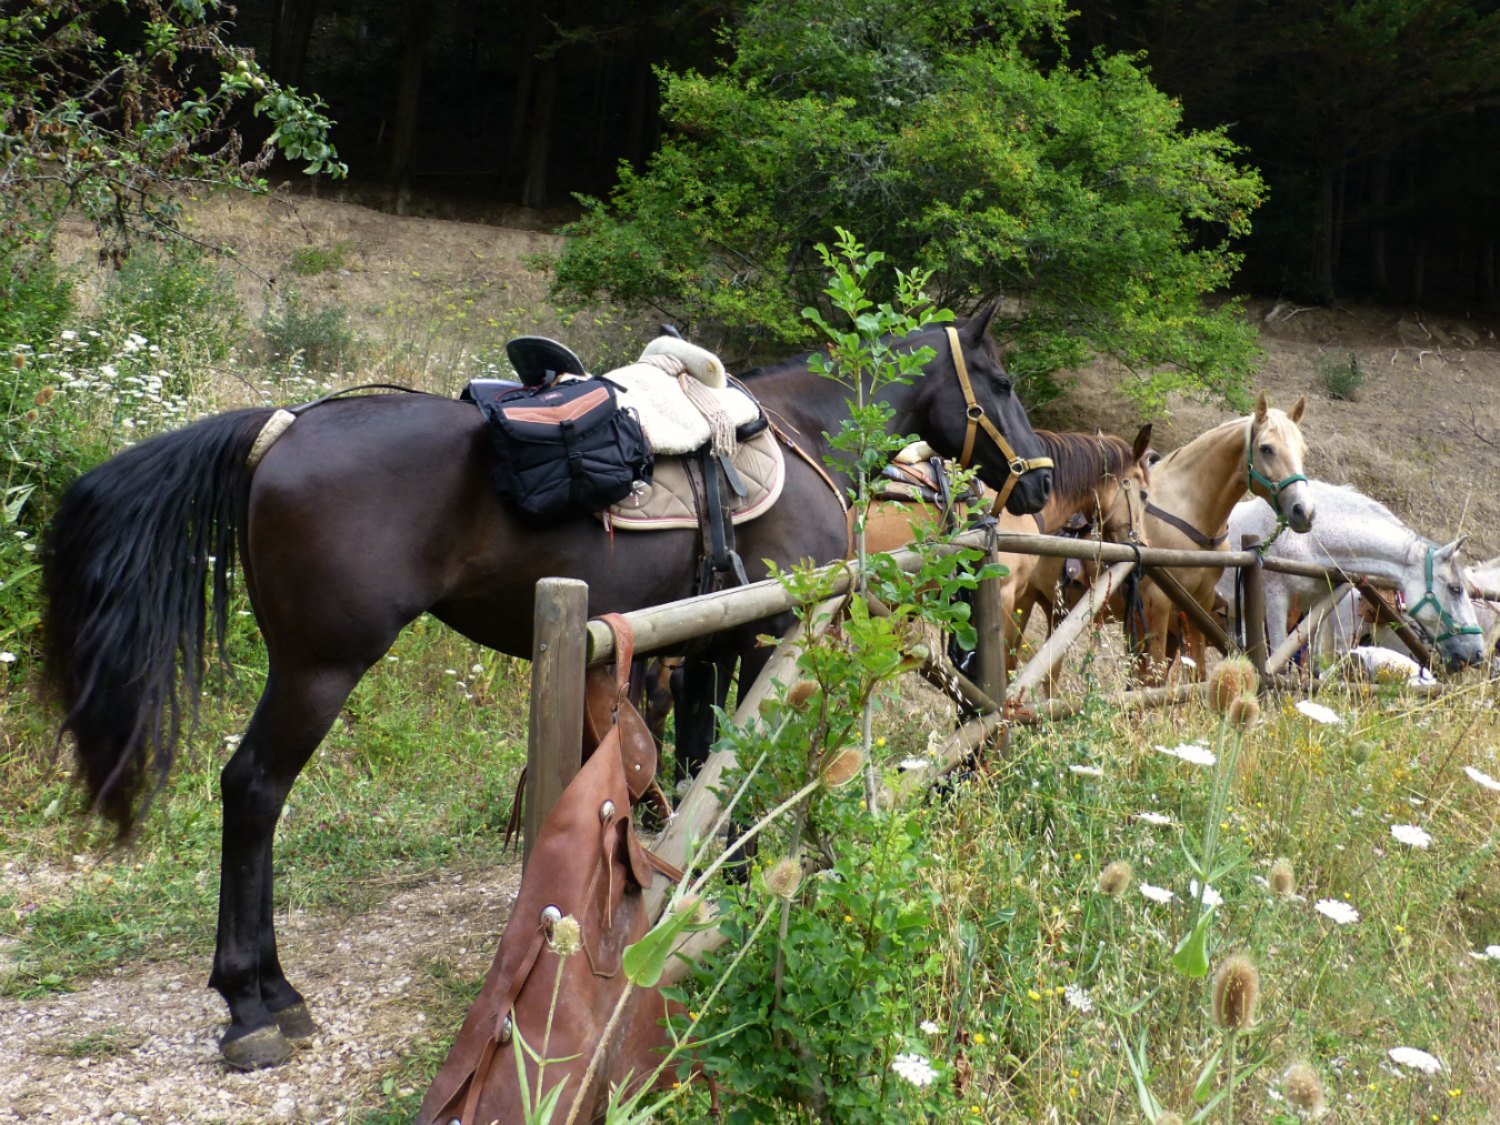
x=1376 y=125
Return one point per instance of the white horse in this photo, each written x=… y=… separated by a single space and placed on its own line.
x=1484 y=588
x=1361 y=534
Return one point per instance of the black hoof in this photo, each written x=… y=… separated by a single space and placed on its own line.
x=256 y=1050
x=295 y=1021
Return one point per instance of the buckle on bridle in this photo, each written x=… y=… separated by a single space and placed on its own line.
x=1019 y=465
x=974 y=411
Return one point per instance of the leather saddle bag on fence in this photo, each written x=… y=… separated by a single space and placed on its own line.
x=588 y=863
x=565 y=449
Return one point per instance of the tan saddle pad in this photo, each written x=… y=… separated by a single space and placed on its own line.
x=669 y=502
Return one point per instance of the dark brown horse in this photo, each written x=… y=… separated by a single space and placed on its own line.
x=368 y=512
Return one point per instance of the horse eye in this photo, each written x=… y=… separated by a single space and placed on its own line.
x=1456 y=591
x=1267 y=450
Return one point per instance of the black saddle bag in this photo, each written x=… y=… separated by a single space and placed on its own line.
x=565 y=449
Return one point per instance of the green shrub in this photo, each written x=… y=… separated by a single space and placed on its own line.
x=308 y=261
x=300 y=334
x=35 y=299
x=1341 y=376
x=178 y=295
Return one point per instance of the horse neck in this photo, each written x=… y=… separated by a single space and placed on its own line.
x=814 y=407
x=1367 y=540
x=1203 y=480
x=1093 y=495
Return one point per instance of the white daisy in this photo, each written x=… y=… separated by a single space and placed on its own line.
x=1318 y=713
x=7 y=658
x=1416 y=1059
x=1154 y=818
x=1492 y=952
x=1410 y=835
x=1340 y=912
x=913 y=764
x=1211 y=897
x=929 y=1028
x=1078 y=998
x=1086 y=771
x=1194 y=752
x=1482 y=778
x=1156 y=894
x=914 y=1068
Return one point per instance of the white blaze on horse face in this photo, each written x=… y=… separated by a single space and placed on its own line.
x=1277 y=452
x=1452 y=592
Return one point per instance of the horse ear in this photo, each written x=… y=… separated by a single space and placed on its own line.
x=973 y=332
x=1142 y=443
x=1261 y=406
x=1295 y=413
x=1447 y=551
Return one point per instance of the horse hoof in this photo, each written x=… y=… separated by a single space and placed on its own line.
x=256 y=1050
x=295 y=1021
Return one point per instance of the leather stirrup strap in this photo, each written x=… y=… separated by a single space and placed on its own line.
x=477 y=1080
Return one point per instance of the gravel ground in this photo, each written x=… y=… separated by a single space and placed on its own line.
x=148 y=1034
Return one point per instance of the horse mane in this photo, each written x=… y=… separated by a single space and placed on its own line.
x=1080 y=461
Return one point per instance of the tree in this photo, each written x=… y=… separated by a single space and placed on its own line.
x=934 y=131
x=106 y=107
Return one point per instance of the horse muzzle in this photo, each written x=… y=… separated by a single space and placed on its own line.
x=1032 y=490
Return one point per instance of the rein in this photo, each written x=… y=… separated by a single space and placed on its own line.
x=1451 y=627
x=977 y=418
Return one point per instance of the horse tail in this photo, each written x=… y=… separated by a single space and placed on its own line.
x=128 y=555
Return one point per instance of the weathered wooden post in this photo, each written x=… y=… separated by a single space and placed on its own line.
x=554 y=739
x=1254 y=609
x=989 y=621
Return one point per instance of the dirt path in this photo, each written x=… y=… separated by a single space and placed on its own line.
x=140 y=1046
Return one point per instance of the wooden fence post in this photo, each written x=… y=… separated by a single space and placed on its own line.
x=989 y=620
x=1254 y=609
x=554 y=739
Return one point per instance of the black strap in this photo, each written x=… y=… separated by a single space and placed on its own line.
x=1186 y=528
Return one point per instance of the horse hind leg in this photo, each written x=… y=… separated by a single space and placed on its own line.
x=293 y=715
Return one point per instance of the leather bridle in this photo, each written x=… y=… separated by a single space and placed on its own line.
x=977 y=418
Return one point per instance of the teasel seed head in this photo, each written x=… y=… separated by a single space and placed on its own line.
x=1282 y=880
x=1244 y=712
x=783 y=877
x=1115 y=878
x=844 y=766
x=801 y=694
x=1236 y=992
x=1230 y=679
x=1304 y=1089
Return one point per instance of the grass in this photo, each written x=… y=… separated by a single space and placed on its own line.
x=416 y=776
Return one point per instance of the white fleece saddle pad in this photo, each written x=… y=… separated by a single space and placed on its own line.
x=651 y=388
x=671 y=503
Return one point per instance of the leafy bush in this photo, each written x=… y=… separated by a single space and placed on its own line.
x=178 y=295
x=307 y=261
x=300 y=334
x=1341 y=376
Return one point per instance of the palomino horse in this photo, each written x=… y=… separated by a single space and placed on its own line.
x=1360 y=534
x=1193 y=490
x=368 y=512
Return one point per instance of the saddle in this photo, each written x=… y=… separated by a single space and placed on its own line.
x=586 y=863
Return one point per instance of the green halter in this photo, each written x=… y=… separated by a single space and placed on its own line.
x=1275 y=488
x=1451 y=627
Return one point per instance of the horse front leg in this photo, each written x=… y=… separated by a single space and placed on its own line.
x=265 y=1011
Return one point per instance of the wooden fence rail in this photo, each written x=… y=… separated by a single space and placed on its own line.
x=564 y=646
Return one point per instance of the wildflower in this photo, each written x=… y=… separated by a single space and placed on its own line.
x=912 y=764
x=1196 y=753
x=1077 y=998
x=844 y=767
x=1410 y=835
x=1282 y=881
x=7 y=658
x=783 y=877
x=476 y=669
x=1339 y=912
x=44 y=396
x=929 y=1028
x=1492 y=952
x=1211 y=897
x=1244 y=712
x=1157 y=894
x=1086 y=771
x=1482 y=778
x=567 y=936
x=1115 y=878
x=1416 y=1059
x=1229 y=680
x=69 y=334
x=1318 y=713
x=1304 y=1089
x=1154 y=818
x=914 y=1068
x=1236 y=991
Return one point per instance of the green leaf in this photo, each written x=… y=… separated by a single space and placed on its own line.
x=646 y=960
x=1191 y=956
x=1203 y=1088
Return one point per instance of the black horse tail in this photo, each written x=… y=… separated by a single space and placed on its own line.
x=129 y=552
